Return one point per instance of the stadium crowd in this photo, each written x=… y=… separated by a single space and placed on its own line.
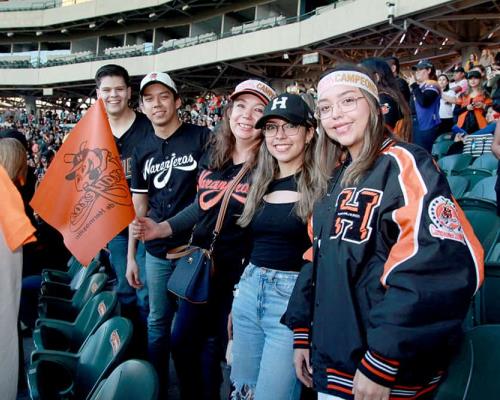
x=285 y=260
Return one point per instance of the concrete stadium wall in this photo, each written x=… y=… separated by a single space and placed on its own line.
x=349 y=17
x=90 y=9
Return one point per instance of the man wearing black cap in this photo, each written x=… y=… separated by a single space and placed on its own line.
x=424 y=103
x=459 y=84
x=164 y=172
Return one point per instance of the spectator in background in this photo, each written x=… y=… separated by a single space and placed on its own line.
x=425 y=101
x=472 y=63
x=395 y=109
x=459 y=84
x=446 y=104
x=471 y=106
x=476 y=143
x=403 y=85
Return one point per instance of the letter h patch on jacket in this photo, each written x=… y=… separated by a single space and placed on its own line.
x=353 y=216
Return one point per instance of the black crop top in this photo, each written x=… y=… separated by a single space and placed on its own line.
x=279 y=235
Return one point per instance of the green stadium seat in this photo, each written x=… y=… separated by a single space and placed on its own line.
x=440 y=148
x=53 y=334
x=487 y=161
x=66 y=291
x=68 y=309
x=473 y=373
x=458 y=185
x=483 y=217
x=482 y=167
x=487 y=300
x=451 y=165
x=52 y=275
x=474 y=175
x=133 y=379
x=484 y=189
x=57 y=375
x=444 y=136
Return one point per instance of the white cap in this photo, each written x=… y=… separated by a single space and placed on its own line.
x=158 y=77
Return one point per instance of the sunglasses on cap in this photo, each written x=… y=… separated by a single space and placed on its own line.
x=474 y=74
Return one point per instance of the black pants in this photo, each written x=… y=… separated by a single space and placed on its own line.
x=199 y=337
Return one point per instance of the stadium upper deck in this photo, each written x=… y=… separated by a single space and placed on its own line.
x=209 y=45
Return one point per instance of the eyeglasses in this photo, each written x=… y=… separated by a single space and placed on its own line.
x=345 y=105
x=289 y=129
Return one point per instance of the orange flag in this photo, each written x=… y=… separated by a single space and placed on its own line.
x=84 y=194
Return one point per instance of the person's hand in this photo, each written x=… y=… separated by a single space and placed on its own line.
x=470 y=107
x=144 y=228
x=302 y=365
x=132 y=274
x=230 y=326
x=365 y=389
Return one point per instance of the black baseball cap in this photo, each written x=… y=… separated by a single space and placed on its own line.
x=474 y=74
x=459 y=69
x=290 y=107
x=423 y=64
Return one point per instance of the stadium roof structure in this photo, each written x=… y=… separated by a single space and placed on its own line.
x=444 y=33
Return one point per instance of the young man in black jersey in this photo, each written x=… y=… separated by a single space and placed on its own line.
x=129 y=129
x=164 y=173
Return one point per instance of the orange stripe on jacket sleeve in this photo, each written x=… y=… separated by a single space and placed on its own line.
x=474 y=245
x=388 y=378
x=409 y=216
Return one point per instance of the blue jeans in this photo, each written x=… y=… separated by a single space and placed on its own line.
x=424 y=137
x=162 y=305
x=263 y=348
x=127 y=295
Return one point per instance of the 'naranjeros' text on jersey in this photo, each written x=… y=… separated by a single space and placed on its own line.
x=166 y=170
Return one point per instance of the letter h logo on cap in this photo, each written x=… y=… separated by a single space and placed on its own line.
x=279 y=101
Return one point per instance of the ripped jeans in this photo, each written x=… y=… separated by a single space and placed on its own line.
x=262 y=366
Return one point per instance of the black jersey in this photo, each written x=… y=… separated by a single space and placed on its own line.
x=166 y=170
x=133 y=136
x=233 y=241
x=136 y=134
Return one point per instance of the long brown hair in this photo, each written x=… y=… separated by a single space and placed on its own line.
x=387 y=84
x=311 y=183
x=330 y=153
x=13 y=159
x=223 y=142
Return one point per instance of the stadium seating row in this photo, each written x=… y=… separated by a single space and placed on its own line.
x=80 y=341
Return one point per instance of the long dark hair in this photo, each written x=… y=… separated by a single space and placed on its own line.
x=386 y=83
x=330 y=153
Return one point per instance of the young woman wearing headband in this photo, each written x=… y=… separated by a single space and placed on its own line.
x=395 y=262
x=199 y=335
x=285 y=184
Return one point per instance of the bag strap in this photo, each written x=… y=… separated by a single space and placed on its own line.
x=225 y=201
x=179 y=252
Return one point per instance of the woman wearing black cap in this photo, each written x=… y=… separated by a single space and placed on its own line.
x=285 y=184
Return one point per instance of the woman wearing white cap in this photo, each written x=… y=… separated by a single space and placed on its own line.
x=199 y=336
x=285 y=184
x=395 y=262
